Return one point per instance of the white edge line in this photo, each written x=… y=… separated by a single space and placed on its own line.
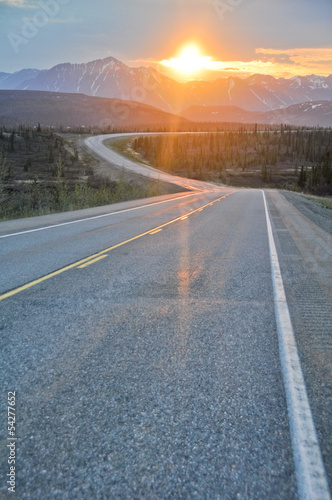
x=309 y=467
x=94 y=217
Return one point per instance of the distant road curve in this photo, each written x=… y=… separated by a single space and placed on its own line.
x=96 y=144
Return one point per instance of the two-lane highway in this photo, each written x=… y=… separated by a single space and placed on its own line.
x=44 y=244
x=142 y=342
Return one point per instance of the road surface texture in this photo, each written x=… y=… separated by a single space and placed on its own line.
x=141 y=340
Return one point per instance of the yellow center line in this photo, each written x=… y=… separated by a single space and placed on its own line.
x=96 y=256
x=92 y=261
x=155 y=232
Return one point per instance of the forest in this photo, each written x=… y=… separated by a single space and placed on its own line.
x=285 y=158
x=41 y=171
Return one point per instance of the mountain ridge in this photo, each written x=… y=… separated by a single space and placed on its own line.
x=308 y=114
x=54 y=109
x=111 y=78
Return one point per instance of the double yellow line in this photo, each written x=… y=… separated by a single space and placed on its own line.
x=81 y=264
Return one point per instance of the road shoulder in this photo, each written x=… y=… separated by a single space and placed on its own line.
x=311 y=237
x=315 y=212
x=304 y=250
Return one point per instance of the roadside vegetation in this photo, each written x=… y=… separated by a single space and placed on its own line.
x=325 y=202
x=42 y=172
x=124 y=148
x=286 y=158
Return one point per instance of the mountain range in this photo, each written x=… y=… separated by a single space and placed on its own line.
x=304 y=100
x=113 y=79
x=57 y=109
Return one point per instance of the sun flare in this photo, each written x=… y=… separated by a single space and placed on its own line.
x=189 y=62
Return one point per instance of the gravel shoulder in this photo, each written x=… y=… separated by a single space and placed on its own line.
x=309 y=225
x=302 y=230
x=314 y=211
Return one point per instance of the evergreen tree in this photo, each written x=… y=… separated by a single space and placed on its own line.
x=302 y=178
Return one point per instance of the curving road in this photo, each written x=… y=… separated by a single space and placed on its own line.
x=96 y=144
x=147 y=343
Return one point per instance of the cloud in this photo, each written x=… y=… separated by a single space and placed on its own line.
x=141 y=62
x=18 y=4
x=15 y=3
x=281 y=58
x=306 y=60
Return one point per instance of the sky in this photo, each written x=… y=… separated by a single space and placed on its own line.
x=282 y=38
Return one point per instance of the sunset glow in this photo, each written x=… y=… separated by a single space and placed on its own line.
x=189 y=62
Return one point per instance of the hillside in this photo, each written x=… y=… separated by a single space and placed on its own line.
x=310 y=114
x=77 y=110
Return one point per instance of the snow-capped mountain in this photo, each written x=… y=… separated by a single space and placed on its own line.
x=104 y=78
x=10 y=81
x=261 y=92
x=112 y=78
x=312 y=114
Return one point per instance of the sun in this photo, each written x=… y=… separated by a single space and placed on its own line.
x=189 y=62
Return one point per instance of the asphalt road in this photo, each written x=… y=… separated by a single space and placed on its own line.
x=96 y=144
x=146 y=360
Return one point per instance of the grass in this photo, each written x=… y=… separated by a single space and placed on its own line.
x=325 y=202
x=42 y=172
x=124 y=148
